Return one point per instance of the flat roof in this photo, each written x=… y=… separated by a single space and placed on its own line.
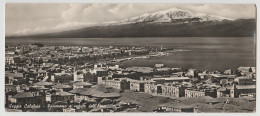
x=140 y=69
x=218 y=75
x=246 y=86
x=172 y=78
x=243 y=78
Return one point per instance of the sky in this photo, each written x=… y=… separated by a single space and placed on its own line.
x=31 y=18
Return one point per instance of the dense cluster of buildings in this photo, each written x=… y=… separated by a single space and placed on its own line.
x=82 y=79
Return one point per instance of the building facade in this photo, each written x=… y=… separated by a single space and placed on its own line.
x=171 y=90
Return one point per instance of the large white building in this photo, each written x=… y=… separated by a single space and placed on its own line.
x=11 y=59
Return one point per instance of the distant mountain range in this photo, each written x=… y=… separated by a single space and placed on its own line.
x=168 y=23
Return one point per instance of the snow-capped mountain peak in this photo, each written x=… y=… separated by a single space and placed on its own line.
x=175 y=14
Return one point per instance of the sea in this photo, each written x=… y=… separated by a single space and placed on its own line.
x=203 y=53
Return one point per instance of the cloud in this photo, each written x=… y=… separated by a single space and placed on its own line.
x=234 y=11
x=36 y=18
x=57 y=28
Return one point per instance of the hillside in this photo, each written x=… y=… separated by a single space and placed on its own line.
x=226 y=28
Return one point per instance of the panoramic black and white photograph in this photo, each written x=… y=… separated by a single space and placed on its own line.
x=130 y=57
